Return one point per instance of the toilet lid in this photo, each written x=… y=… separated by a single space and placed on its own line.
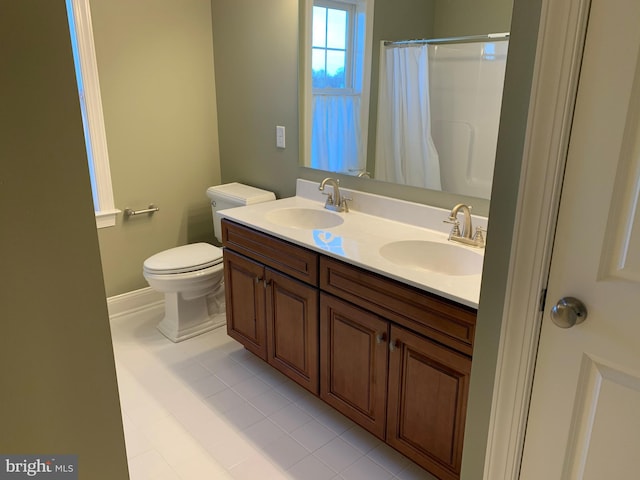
x=187 y=258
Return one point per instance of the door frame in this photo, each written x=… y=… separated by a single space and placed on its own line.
x=561 y=37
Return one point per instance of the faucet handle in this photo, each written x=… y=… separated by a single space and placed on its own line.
x=329 y=198
x=478 y=236
x=455 y=230
x=345 y=205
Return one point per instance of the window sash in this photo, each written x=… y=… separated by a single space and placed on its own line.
x=349 y=46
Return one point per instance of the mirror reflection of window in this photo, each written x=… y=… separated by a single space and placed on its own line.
x=330 y=38
x=339 y=85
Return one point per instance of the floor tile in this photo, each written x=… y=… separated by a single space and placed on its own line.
x=232 y=373
x=310 y=468
x=388 y=458
x=231 y=451
x=243 y=415
x=269 y=402
x=290 y=417
x=251 y=388
x=189 y=371
x=334 y=421
x=361 y=439
x=365 y=469
x=414 y=472
x=145 y=415
x=257 y=467
x=263 y=433
x=135 y=440
x=207 y=409
x=208 y=385
x=313 y=435
x=338 y=454
x=200 y=467
x=149 y=465
x=285 y=452
x=211 y=431
x=224 y=400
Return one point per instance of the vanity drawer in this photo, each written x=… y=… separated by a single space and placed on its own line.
x=439 y=319
x=286 y=257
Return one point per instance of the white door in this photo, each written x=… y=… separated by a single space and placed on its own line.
x=584 y=421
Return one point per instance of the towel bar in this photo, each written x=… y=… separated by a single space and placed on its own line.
x=128 y=212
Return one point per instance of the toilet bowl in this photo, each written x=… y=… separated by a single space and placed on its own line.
x=191 y=276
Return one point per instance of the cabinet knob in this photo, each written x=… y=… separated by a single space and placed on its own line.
x=393 y=345
x=258 y=280
x=380 y=337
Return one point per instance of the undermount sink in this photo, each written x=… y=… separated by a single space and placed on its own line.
x=437 y=257
x=305 y=218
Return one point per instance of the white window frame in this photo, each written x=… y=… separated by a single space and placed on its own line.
x=350 y=45
x=92 y=105
x=306 y=91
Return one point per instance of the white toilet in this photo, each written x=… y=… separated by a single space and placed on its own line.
x=191 y=276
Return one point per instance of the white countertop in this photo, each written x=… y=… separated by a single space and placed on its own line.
x=361 y=235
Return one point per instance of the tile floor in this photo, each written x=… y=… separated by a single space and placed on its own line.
x=207 y=409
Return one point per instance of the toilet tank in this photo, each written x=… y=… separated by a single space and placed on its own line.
x=230 y=195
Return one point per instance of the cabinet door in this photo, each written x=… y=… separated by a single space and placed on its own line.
x=245 y=298
x=292 y=329
x=428 y=386
x=353 y=362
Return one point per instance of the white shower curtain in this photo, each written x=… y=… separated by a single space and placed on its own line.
x=405 y=152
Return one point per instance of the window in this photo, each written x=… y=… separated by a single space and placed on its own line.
x=332 y=45
x=337 y=65
x=91 y=107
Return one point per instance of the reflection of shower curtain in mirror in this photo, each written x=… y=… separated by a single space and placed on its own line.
x=336 y=136
x=405 y=152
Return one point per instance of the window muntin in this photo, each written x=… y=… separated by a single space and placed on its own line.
x=332 y=45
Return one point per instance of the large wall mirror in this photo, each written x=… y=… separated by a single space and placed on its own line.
x=376 y=103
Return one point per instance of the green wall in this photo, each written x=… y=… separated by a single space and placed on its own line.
x=471 y=17
x=59 y=392
x=155 y=63
x=502 y=213
x=256 y=47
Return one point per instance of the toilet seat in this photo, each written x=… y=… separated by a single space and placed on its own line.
x=184 y=259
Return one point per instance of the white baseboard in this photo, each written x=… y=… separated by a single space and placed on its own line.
x=134 y=302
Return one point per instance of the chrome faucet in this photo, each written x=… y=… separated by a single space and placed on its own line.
x=335 y=202
x=475 y=240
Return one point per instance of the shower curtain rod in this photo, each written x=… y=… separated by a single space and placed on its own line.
x=465 y=39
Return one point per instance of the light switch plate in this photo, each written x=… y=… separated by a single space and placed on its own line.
x=280 y=142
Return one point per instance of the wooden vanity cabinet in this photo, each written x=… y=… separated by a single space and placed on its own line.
x=245 y=302
x=427 y=402
x=353 y=362
x=403 y=388
x=393 y=358
x=292 y=329
x=395 y=379
x=273 y=315
x=444 y=321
